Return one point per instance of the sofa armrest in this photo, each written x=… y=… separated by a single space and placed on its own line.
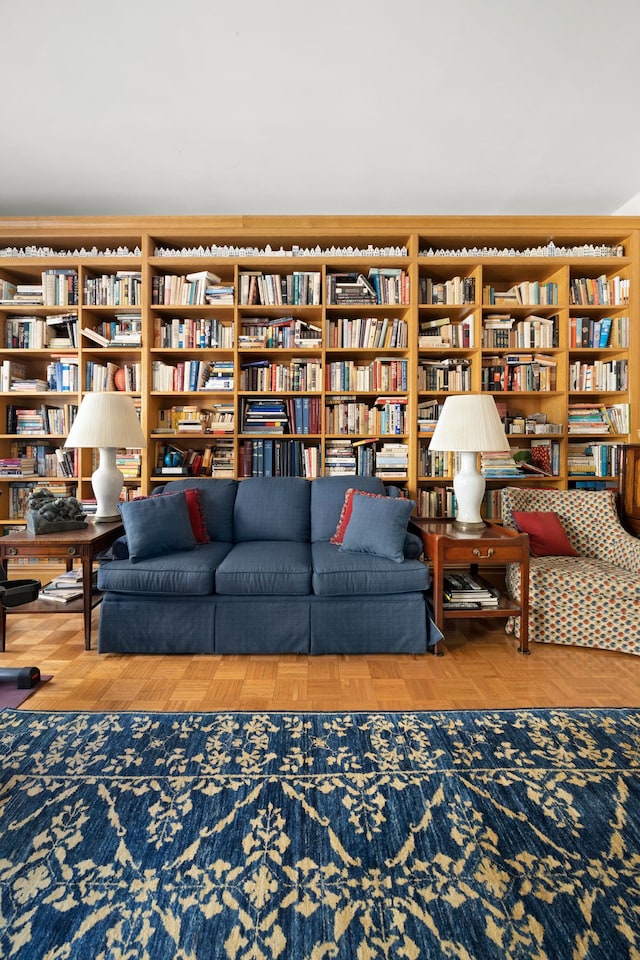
x=412 y=545
x=120 y=549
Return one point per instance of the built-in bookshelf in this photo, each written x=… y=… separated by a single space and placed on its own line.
x=319 y=345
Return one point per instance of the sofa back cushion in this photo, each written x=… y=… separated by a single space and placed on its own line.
x=217 y=497
x=327 y=499
x=272 y=508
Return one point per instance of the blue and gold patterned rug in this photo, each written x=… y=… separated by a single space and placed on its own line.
x=512 y=834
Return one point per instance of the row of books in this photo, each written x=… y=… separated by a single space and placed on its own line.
x=192 y=418
x=449 y=373
x=594 y=459
x=371 y=457
x=273 y=457
x=121 y=289
x=443 y=332
x=192 y=333
x=299 y=374
x=504 y=331
x=298 y=415
x=301 y=287
x=124 y=330
x=215 y=459
x=369 y=333
x=48 y=460
x=456 y=290
x=285 y=333
x=598 y=333
x=57 y=287
x=381 y=285
x=525 y=293
x=598 y=375
x=193 y=289
x=386 y=415
x=598 y=418
x=437 y=463
x=192 y=375
x=499 y=464
x=380 y=374
x=110 y=376
x=37 y=333
x=519 y=372
x=602 y=290
x=41 y=420
x=435 y=502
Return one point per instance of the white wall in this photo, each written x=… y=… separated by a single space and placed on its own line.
x=344 y=106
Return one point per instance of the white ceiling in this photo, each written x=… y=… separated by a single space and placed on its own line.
x=344 y=106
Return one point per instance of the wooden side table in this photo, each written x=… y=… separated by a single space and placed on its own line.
x=447 y=546
x=70 y=545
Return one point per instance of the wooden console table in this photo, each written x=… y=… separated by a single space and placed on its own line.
x=70 y=545
x=447 y=546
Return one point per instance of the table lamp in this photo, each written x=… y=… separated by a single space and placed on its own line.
x=469 y=424
x=106 y=421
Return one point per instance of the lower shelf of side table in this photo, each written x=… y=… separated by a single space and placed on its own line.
x=50 y=606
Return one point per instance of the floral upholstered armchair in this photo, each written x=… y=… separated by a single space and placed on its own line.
x=584 y=580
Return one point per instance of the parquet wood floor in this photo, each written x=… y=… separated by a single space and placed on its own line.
x=480 y=669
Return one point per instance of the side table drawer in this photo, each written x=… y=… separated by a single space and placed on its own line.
x=11 y=552
x=465 y=554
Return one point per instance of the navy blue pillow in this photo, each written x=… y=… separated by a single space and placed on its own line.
x=378 y=526
x=157 y=525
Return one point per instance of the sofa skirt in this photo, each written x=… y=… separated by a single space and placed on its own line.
x=397 y=623
x=145 y=624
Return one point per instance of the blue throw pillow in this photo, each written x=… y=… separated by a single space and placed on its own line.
x=378 y=526
x=157 y=525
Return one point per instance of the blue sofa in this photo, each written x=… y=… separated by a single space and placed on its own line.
x=269 y=580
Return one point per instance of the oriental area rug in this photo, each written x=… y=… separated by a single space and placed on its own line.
x=506 y=834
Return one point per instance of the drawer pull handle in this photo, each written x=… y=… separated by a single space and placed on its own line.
x=71 y=551
x=12 y=551
x=483 y=556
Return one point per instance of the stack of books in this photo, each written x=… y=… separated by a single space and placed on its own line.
x=65 y=587
x=462 y=591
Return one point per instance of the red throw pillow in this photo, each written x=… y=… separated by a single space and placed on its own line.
x=196 y=512
x=345 y=513
x=546 y=534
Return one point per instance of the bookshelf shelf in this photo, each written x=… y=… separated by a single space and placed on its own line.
x=462 y=289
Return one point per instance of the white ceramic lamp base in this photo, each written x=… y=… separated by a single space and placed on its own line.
x=469 y=486
x=107 y=482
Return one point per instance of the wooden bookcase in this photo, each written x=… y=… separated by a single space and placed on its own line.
x=461 y=303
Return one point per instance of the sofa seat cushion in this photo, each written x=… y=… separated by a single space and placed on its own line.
x=181 y=574
x=265 y=567
x=338 y=573
x=560 y=580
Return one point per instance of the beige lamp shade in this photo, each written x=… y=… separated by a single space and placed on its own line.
x=106 y=421
x=469 y=421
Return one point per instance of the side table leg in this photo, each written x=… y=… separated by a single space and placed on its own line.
x=87 y=593
x=524 y=607
x=3 y=627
